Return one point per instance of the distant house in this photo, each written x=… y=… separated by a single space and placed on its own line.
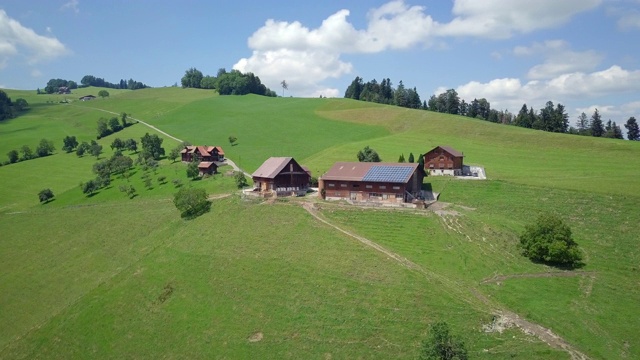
x=207 y=168
x=372 y=182
x=281 y=176
x=443 y=160
x=202 y=153
x=87 y=97
x=64 y=90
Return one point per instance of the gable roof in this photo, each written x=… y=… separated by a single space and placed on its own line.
x=274 y=166
x=371 y=172
x=206 y=164
x=448 y=149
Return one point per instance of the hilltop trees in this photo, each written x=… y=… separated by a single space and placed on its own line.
x=192 y=78
x=5 y=106
x=368 y=155
x=633 y=133
x=90 y=80
x=597 y=129
x=549 y=240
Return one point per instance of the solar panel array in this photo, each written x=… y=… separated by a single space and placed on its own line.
x=392 y=174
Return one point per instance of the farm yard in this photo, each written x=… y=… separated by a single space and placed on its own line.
x=108 y=276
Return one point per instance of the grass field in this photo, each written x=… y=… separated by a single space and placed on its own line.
x=111 y=277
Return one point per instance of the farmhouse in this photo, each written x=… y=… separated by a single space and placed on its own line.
x=372 y=182
x=202 y=153
x=443 y=160
x=64 y=90
x=207 y=168
x=87 y=97
x=281 y=176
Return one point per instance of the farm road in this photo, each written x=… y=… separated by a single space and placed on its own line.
x=227 y=161
x=507 y=316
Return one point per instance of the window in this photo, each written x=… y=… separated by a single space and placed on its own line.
x=369 y=186
x=383 y=186
x=441 y=165
x=343 y=185
x=355 y=185
x=399 y=196
x=396 y=188
x=385 y=196
x=375 y=195
x=332 y=185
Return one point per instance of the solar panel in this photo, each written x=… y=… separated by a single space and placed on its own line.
x=392 y=174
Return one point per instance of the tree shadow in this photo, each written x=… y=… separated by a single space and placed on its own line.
x=93 y=194
x=562 y=266
x=133 y=196
x=48 y=201
x=204 y=208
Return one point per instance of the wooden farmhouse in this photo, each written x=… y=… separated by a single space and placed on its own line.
x=372 y=182
x=281 y=176
x=202 y=153
x=207 y=168
x=443 y=160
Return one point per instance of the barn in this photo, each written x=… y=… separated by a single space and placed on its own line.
x=443 y=160
x=281 y=176
x=207 y=168
x=372 y=182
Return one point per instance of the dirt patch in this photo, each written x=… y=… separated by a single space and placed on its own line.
x=499 y=324
x=255 y=337
x=500 y=278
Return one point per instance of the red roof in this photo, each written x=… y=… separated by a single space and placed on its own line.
x=206 y=164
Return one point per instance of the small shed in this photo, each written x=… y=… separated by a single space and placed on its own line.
x=207 y=168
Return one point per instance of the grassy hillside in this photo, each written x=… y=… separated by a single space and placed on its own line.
x=110 y=277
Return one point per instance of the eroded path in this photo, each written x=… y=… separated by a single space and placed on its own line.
x=472 y=296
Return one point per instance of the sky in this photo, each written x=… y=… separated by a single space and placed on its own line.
x=584 y=54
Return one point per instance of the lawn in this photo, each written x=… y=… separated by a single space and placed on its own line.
x=105 y=276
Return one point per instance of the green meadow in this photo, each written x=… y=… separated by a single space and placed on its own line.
x=106 y=276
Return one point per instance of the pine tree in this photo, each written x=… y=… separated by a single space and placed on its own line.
x=597 y=129
x=633 y=133
x=411 y=159
x=401 y=158
x=583 y=125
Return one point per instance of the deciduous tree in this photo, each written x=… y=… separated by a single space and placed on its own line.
x=192 y=170
x=27 y=153
x=241 y=180
x=368 y=155
x=191 y=202
x=69 y=143
x=13 y=156
x=45 y=148
x=549 y=240
x=152 y=146
x=192 y=78
x=45 y=195
x=442 y=345
x=103 y=93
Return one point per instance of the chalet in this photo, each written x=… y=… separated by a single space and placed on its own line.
x=372 y=182
x=207 y=168
x=87 y=97
x=202 y=153
x=443 y=160
x=281 y=176
x=64 y=90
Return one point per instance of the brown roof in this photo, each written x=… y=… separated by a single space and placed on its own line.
x=220 y=152
x=356 y=171
x=272 y=167
x=206 y=164
x=448 y=149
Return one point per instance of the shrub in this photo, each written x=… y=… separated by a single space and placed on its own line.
x=241 y=180
x=441 y=345
x=549 y=240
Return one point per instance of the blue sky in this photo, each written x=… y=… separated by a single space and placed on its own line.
x=581 y=53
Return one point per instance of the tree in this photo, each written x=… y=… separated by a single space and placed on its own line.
x=131 y=145
x=45 y=148
x=549 y=240
x=5 y=106
x=114 y=124
x=103 y=128
x=174 y=154
x=192 y=170
x=20 y=104
x=191 y=202
x=582 y=124
x=129 y=190
x=441 y=345
x=103 y=93
x=192 y=78
x=617 y=132
x=232 y=140
x=13 y=156
x=633 y=133
x=69 y=143
x=597 y=129
x=27 y=153
x=117 y=144
x=95 y=149
x=152 y=146
x=401 y=158
x=89 y=187
x=368 y=155
x=123 y=118
x=241 y=180
x=82 y=149
x=208 y=82
x=411 y=158
x=45 y=195
x=284 y=85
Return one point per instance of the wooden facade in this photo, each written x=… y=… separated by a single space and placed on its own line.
x=443 y=160
x=207 y=168
x=281 y=176
x=202 y=153
x=357 y=182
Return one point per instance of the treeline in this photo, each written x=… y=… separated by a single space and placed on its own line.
x=227 y=83
x=9 y=109
x=384 y=93
x=90 y=80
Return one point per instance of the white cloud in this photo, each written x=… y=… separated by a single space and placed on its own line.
x=71 y=5
x=559 y=59
x=305 y=57
x=14 y=38
x=500 y=19
x=511 y=93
